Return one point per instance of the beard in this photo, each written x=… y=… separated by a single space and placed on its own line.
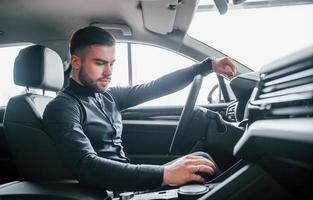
x=87 y=82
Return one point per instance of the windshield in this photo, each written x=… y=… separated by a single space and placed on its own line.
x=254 y=36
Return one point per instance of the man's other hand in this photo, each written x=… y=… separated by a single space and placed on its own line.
x=186 y=169
x=224 y=66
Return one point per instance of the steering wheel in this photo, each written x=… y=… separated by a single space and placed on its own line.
x=186 y=114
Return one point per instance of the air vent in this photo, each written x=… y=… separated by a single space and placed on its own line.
x=287 y=92
x=231 y=111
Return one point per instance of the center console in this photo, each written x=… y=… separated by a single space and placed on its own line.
x=185 y=192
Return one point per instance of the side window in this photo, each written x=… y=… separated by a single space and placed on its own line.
x=150 y=63
x=7 y=86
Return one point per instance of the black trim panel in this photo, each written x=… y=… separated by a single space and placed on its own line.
x=288 y=138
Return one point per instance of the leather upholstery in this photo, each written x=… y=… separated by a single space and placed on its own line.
x=33 y=151
x=39 y=67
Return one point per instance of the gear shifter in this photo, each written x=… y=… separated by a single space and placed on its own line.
x=190 y=192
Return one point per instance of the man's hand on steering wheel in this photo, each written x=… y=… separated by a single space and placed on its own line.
x=224 y=66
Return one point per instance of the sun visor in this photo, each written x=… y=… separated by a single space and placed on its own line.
x=159 y=15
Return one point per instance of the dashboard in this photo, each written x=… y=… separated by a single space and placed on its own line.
x=242 y=87
x=276 y=150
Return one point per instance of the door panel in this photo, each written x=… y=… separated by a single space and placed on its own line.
x=148 y=132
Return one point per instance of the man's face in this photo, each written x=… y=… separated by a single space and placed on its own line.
x=96 y=67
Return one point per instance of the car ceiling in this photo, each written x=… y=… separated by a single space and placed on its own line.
x=51 y=23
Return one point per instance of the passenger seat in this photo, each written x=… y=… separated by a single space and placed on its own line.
x=33 y=151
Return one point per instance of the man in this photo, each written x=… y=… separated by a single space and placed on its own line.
x=85 y=122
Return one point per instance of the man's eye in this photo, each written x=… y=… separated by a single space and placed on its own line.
x=99 y=63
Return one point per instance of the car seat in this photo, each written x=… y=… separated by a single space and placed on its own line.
x=33 y=151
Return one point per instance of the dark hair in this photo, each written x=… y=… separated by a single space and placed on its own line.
x=90 y=35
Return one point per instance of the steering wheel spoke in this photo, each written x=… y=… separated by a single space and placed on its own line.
x=186 y=115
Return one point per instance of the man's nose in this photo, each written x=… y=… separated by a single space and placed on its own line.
x=107 y=70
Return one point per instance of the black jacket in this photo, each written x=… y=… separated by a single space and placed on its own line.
x=86 y=127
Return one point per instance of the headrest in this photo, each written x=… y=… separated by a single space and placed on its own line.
x=39 y=67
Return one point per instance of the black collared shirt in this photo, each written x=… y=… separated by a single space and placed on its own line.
x=86 y=127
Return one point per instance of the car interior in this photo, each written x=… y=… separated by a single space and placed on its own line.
x=260 y=133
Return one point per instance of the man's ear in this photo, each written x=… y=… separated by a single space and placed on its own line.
x=75 y=62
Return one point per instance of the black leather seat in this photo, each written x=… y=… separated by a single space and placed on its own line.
x=32 y=150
